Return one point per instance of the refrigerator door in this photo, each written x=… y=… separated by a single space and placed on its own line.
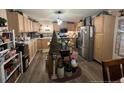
x=85 y=42
x=87 y=45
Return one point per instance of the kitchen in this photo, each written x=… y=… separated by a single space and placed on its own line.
x=35 y=43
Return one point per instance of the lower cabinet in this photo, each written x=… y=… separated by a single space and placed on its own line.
x=32 y=46
x=42 y=43
x=35 y=45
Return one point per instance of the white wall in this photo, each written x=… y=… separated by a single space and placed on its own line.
x=45 y=24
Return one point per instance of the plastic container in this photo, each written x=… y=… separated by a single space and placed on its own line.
x=74 y=63
x=60 y=72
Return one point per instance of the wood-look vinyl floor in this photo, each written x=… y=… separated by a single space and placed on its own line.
x=36 y=73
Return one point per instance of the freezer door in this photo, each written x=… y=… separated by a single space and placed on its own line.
x=87 y=46
x=85 y=37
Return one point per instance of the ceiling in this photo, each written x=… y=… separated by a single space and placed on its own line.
x=72 y=15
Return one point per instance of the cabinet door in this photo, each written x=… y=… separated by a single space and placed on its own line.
x=29 y=25
x=99 y=25
x=25 y=24
x=35 y=45
x=44 y=43
x=3 y=14
x=21 y=23
x=39 y=44
x=71 y=27
x=56 y=27
x=30 y=51
x=98 y=47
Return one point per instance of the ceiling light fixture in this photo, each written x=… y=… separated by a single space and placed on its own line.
x=59 y=21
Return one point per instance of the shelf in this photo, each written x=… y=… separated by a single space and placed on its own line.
x=12 y=72
x=9 y=59
x=4 y=51
x=5 y=43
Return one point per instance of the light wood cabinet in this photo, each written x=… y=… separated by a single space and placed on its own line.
x=25 y=24
x=103 y=43
x=71 y=26
x=39 y=44
x=3 y=14
x=35 y=27
x=56 y=27
x=42 y=43
x=99 y=23
x=15 y=21
x=32 y=46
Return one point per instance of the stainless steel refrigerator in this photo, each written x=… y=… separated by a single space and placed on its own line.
x=86 y=42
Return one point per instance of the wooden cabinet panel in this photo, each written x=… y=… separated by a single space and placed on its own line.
x=3 y=14
x=15 y=21
x=32 y=46
x=25 y=24
x=71 y=26
x=103 y=43
x=31 y=28
x=99 y=24
x=42 y=43
x=39 y=44
x=98 y=44
x=20 y=23
x=56 y=27
x=29 y=25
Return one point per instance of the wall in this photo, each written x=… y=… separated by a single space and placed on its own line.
x=44 y=25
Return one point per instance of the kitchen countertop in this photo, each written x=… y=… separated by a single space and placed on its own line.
x=45 y=38
x=27 y=42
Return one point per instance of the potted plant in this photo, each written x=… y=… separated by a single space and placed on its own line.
x=2 y=22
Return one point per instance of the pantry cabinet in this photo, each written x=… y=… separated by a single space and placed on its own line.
x=104 y=33
x=15 y=21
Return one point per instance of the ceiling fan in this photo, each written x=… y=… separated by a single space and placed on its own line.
x=59 y=20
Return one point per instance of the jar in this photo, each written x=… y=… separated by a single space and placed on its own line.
x=68 y=70
x=74 y=63
x=60 y=72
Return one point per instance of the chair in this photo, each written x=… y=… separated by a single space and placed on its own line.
x=113 y=70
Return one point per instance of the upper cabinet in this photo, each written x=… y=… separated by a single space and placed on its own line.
x=25 y=24
x=71 y=26
x=3 y=14
x=35 y=26
x=56 y=27
x=29 y=25
x=20 y=23
x=15 y=21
